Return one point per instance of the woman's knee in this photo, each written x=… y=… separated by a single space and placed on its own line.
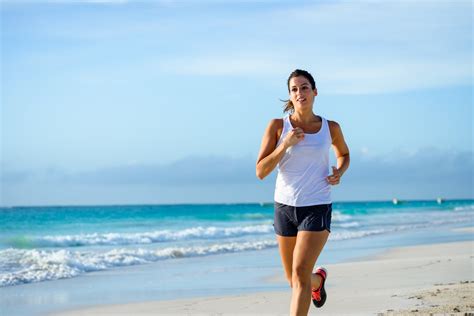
x=288 y=276
x=301 y=276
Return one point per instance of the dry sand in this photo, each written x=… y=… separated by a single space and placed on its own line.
x=418 y=280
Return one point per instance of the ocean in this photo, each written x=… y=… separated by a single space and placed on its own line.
x=60 y=245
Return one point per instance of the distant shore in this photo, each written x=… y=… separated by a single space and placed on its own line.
x=435 y=278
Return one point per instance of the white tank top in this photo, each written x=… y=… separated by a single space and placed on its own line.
x=302 y=172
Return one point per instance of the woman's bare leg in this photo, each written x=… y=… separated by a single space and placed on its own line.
x=307 y=248
x=286 y=246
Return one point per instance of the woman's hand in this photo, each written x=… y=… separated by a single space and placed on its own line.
x=293 y=137
x=335 y=178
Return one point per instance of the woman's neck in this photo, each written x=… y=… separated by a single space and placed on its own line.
x=305 y=117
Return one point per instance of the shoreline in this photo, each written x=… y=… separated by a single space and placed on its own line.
x=401 y=280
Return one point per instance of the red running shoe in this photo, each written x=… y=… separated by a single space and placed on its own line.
x=319 y=295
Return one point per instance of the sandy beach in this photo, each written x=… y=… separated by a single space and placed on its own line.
x=416 y=280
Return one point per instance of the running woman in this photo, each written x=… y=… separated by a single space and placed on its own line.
x=299 y=146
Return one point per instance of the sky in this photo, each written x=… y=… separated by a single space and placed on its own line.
x=164 y=102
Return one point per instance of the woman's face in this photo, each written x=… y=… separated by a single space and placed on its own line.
x=301 y=93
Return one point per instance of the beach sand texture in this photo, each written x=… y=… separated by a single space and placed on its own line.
x=417 y=280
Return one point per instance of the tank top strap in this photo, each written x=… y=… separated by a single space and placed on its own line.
x=327 y=131
x=324 y=126
x=286 y=123
x=286 y=128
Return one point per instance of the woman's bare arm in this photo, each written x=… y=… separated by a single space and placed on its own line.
x=341 y=151
x=270 y=154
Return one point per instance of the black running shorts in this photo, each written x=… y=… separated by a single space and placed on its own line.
x=289 y=220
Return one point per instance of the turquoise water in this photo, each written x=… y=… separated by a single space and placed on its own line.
x=48 y=243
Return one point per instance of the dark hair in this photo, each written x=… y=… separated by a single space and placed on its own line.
x=289 y=107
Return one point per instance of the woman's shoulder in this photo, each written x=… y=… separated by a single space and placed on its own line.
x=333 y=124
x=276 y=123
x=334 y=128
x=275 y=127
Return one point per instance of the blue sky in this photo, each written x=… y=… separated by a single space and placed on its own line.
x=166 y=101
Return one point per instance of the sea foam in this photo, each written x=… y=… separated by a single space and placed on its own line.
x=144 y=237
x=20 y=266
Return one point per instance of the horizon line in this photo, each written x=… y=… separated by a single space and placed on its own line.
x=234 y=203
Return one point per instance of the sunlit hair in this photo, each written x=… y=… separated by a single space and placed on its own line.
x=289 y=107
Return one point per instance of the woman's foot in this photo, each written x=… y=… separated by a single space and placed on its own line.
x=319 y=294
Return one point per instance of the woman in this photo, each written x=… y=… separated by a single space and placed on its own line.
x=299 y=145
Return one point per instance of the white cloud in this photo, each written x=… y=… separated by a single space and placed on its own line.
x=355 y=47
x=336 y=78
x=230 y=65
